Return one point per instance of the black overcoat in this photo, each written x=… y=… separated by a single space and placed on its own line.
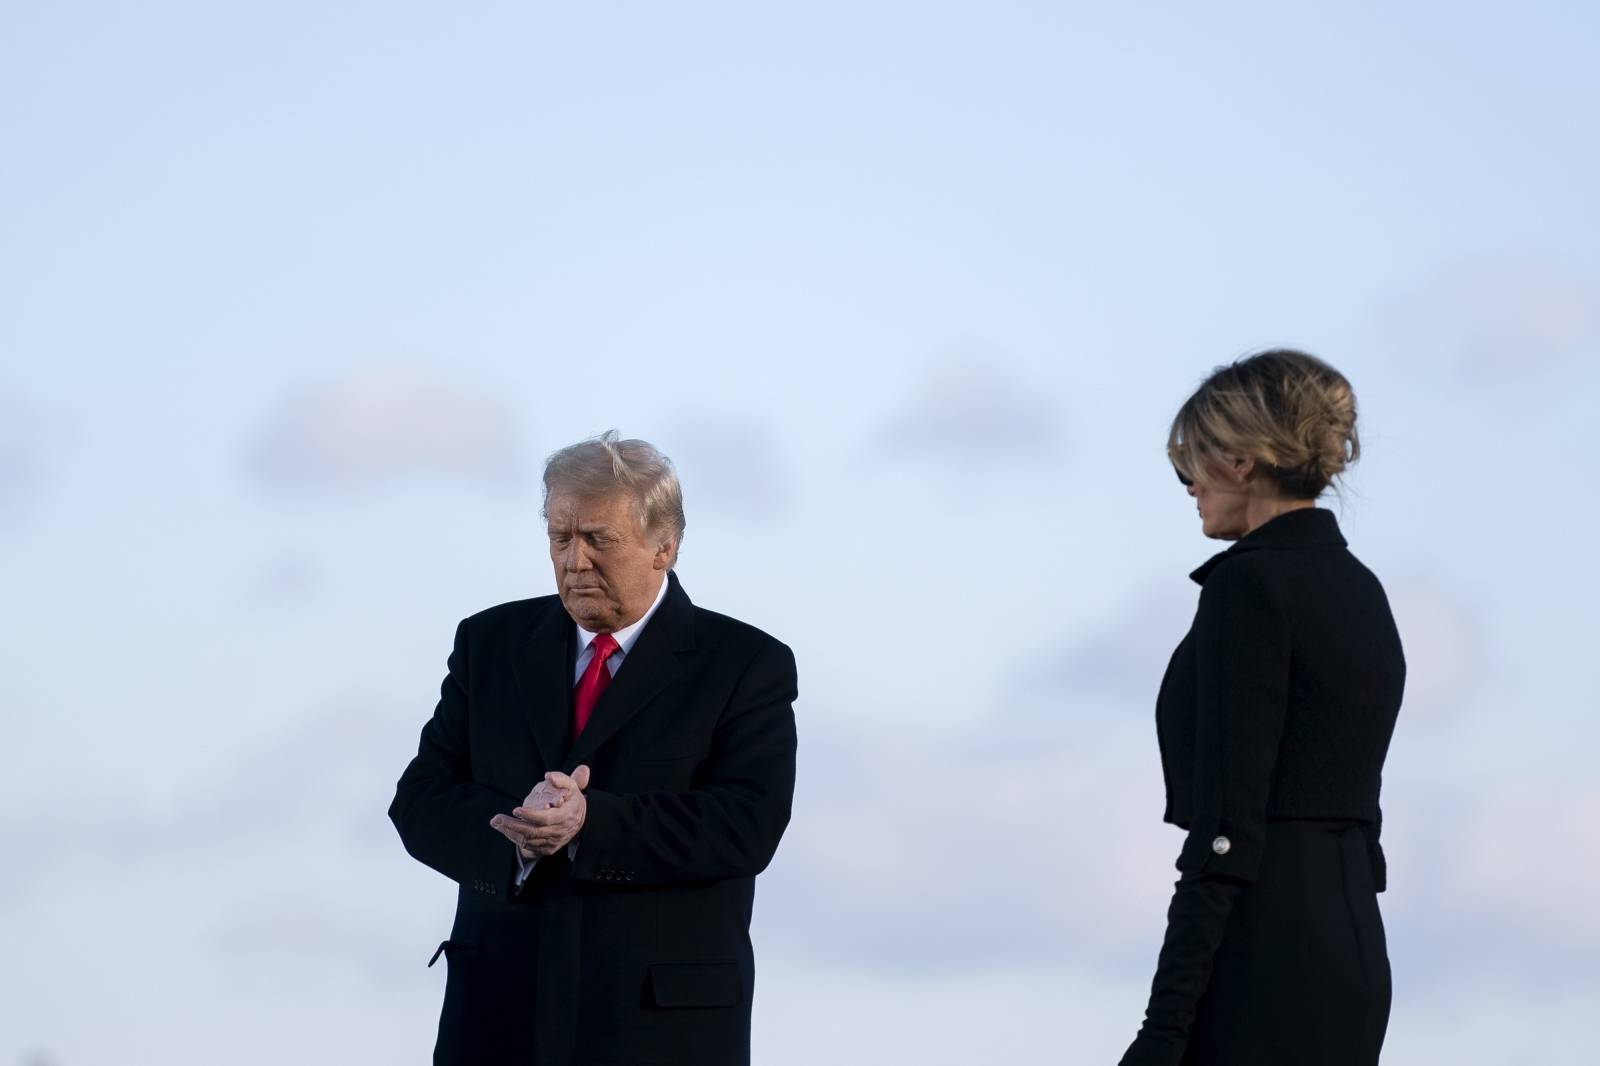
x=1273 y=720
x=637 y=950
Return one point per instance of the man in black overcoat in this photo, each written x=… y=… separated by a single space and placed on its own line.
x=605 y=774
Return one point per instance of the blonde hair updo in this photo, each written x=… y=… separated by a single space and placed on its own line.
x=1290 y=411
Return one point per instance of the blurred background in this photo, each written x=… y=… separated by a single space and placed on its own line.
x=295 y=298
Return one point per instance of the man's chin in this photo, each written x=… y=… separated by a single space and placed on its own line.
x=588 y=613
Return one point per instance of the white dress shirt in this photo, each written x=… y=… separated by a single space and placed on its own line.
x=625 y=637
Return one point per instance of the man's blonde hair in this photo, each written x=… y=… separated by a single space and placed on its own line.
x=602 y=465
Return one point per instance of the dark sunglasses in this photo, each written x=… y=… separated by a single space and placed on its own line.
x=1186 y=482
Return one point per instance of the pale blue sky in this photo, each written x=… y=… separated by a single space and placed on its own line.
x=295 y=299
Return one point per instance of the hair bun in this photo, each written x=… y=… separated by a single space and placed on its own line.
x=1290 y=411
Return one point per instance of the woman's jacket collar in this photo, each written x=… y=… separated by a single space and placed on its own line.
x=1303 y=527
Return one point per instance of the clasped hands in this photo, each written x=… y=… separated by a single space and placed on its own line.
x=550 y=817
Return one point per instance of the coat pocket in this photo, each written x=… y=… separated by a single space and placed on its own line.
x=447 y=948
x=695 y=984
x=664 y=748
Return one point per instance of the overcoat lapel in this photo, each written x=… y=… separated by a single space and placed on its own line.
x=542 y=661
x=656 y=658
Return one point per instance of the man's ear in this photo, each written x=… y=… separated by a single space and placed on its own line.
x=666 y=551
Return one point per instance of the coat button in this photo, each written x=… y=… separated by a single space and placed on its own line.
x=1221 y=845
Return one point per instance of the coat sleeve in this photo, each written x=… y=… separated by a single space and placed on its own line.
x=728 y=826
x=441 y=813
x=1242 y=646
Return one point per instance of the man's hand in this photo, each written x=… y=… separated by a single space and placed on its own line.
x=550 y=817
x=544 y=795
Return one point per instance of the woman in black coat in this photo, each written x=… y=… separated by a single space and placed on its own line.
x=1273 y=719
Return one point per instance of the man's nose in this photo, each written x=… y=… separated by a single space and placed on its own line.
x=577 y=557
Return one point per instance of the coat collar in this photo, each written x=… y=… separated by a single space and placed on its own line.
x=543 y=664
x=1303 y=527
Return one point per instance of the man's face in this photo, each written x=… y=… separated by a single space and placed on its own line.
x=608 y=569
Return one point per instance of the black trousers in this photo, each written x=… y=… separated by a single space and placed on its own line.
x=1301 y=977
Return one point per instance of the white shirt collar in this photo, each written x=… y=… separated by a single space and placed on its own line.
x=625 y=636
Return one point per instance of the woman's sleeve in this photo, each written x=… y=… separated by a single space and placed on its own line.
x=1241 y=635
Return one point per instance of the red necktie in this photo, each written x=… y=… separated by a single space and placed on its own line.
x=593 y=682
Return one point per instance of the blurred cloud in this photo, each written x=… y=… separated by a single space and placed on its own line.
x=974 y=850
x=1448 y=654
x=1124 y=657
x=287 y=577
x=21 y=460
x=334 y=772
x=1497 y=320
x=731 y=463
x=1502 y=872
x=970 y=408
x=336 y=769
x=385 y=423
x=318 y=931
